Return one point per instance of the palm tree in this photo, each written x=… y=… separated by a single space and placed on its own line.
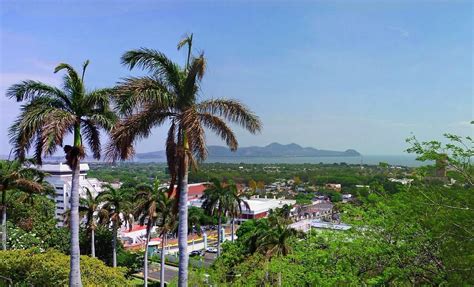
x=48 y=116
x=90 y=205
x=235 y=208
x=166 y=223
x=115 y=210
x=275 y=241
x=221 y=199
x=16 y=176
x=170 y=94
x=149 y=206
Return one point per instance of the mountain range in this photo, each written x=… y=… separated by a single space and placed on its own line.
x=271 y=150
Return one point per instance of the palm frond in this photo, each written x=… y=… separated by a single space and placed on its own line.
x=26 y=127
x=57 y=124
x=133 y=128
x=28 y=90
x=195 y=73
x=195 y=134
x=233 y=111
x=98 y=100
x=132 y=93
x=155 y=62
x=219 y=127
x=187 y=40
x=92 y=135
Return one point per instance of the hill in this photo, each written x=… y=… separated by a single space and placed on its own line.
x=271 y=150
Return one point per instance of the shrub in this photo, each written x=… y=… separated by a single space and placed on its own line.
x=51 y=268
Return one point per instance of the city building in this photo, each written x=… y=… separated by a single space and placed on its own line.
x=60 y=176
x=260 y=207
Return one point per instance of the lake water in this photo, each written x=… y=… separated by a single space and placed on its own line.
x=399 y=160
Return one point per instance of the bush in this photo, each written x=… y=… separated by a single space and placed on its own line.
x=133 y=261
x=51 y=268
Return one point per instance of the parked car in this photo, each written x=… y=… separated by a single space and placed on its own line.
x=211 y=250
x=196 y=253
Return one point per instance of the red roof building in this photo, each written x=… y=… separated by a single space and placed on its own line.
x=195 y=190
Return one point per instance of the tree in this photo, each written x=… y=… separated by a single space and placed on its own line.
x=15 y=176
x=297 y=180
x=116 y=210
x=167 y=223
x=261 y=186
x=49 y=115
x=219 y=199
x=235 y=206
x=276 y=240
x=170 y=94
x=253 y=185
x=90 y=205
x=455 y=155
x=150 y=200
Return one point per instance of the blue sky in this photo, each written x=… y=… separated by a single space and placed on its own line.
x=326 y=74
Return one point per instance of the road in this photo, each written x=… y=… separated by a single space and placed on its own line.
x=154 y=272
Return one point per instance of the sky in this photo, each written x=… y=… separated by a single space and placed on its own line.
x=327 y=74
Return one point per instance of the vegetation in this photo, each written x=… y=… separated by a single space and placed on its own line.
x=48 y=116
x=14 y=176
x=116 y=210
x=51 y=268
x=221 y=199
x=170 y=94
x=408 y=227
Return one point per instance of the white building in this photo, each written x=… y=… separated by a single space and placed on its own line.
x=60 y=176
x=260 y=207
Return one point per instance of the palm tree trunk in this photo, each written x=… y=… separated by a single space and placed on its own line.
x=145 y=257
x=93 y=242
x=75 y=272
x=162 y=268
x=114 y=244
x=232 y=227
x=4 y=219
x=183 y=224
x=219 y=227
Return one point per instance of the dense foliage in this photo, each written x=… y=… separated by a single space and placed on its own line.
x=51 y=268
x=419 y=236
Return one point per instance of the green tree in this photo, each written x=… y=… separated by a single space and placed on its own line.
x=116 y=210
x=166 y=222
x=89 y=206
x=15 y=176
x=150 y=201
x=455 y=155
x=45 y=120
x=170 y=94
x=220 y=198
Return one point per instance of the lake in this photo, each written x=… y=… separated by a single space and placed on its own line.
x=400 y=160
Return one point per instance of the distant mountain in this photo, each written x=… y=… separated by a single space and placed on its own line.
x=271 y=150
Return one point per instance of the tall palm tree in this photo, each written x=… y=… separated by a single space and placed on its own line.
x=221 y=199
x=149 y=200
x=47 y=117
x=167 y=223
x=90 y=205
x=170 y=94
x=235 y=206
x=16 y=176
x=116 y=211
